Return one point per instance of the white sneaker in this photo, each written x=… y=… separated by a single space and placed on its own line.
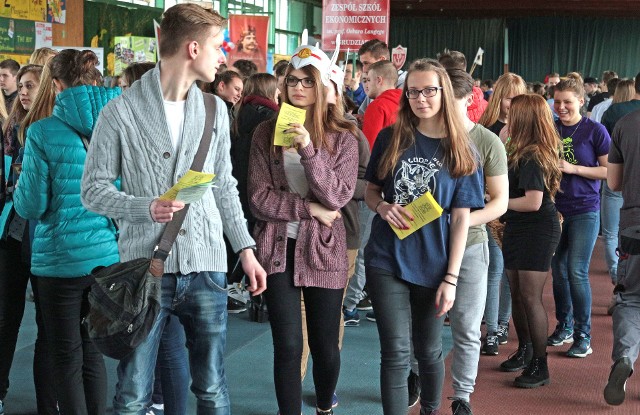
x=238 y=292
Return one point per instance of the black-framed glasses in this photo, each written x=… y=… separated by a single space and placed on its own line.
x=427 y=92
x=292 y=81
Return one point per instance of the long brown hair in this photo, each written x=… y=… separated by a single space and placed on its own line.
x=259 y=84
x=534 y=135
x=507 y=85
x=42 y=55
x=42 y=106
x=3 y=109
x=458 y=155
x=17 y=110
x=325 y=117
x=625 y=91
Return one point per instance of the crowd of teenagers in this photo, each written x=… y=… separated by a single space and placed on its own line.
x=526 y=175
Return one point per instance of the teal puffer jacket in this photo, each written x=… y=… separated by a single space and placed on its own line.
x=69 y=240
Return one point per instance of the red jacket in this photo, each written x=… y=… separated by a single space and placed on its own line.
x=321 y=251
x=477 y=107
x=381 y=113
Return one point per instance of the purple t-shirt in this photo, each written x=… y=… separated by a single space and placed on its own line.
x=582 y=145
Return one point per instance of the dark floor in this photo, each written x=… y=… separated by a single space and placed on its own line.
x=576 y=384
x=249 y=370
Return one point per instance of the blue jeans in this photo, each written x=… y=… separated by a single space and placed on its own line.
x=171 y=384
x=354 y=292
x=199 y=300
x=610 y=217
x=498 y=307
x=406 y=313
x=570 y=268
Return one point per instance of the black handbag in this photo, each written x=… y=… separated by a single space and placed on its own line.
x=125 y=298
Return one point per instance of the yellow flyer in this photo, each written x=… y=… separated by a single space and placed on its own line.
x=190 y=188
x=424 y=209
x=288 y=115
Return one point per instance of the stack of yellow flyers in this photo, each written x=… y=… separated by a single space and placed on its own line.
x=424 y=209
x=288 y=115
x=190 y=188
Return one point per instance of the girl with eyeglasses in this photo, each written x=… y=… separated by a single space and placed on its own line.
x=413 y=281
x=296 y=194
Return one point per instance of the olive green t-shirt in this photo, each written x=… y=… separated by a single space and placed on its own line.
x=493 y=160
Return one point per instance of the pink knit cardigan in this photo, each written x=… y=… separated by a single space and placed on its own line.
x=321 y=251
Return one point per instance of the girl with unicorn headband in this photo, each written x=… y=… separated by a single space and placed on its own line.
x=296 y=194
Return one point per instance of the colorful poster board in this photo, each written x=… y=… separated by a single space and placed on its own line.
x=130 y=49
x=53 y=11
x=57 y=11
x=17 y=36
x=44 y=35
x=249 y=36
x=357 y=21
x=98 y=51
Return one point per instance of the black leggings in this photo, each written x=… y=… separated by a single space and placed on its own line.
x=14 y=275
x=78 y=367
x=323 y=307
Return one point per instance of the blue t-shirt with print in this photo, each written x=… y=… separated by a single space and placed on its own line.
x=422 y=257
x=582 y=144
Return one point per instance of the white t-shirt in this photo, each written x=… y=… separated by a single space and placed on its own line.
x=174 y=112
x=297 y=181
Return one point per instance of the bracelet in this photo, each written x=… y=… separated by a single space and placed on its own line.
x=376 y=209
x=251 y=247
x=450 y=274
x=450 y=283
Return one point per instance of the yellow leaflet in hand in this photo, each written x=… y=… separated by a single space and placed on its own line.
x=288 y=115
x=190 y=188
x=424 y=209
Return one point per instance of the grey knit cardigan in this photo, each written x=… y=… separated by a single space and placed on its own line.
x=131 y=142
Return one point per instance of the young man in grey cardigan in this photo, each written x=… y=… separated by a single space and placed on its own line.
x=148 y=139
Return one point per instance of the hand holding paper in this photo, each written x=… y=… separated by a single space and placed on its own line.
x=191 y=187
x=288 y=115
x=424 y=209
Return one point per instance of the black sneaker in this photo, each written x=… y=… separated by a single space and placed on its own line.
x=351 y=318
x=614 y=392
x=562 y=334
x=490 y=345
x=503 y=333
x=519 y=359
x=581 y=346
x=460 y=407
x=371 y=316
x=235 y=306
x=413 y=382
x=364 y=304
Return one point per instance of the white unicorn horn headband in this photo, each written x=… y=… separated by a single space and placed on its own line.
x=307 y=54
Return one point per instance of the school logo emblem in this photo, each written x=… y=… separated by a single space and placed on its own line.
x=398 y=56
x=304 y=53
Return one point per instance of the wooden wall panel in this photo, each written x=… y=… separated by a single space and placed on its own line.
x=72 y=32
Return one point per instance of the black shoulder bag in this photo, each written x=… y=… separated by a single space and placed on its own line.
x=125 y=297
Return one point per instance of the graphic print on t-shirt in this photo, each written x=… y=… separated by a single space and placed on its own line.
x=415 y=177
x=567 y=148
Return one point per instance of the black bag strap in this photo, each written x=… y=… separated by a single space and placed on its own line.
x=171 y=231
